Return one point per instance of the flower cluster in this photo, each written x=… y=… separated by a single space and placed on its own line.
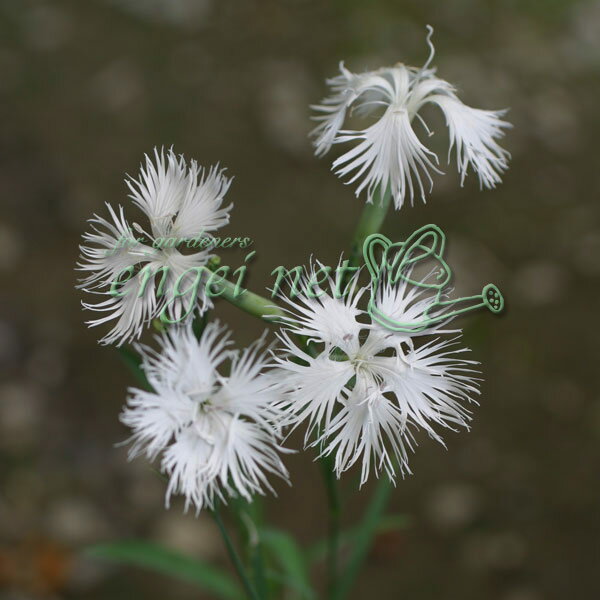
x=214 y=417
x=388 y=153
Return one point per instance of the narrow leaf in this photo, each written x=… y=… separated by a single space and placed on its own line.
x=318 y=551
x=287 y=554
x=393 y=523
x=364 y=537
x=162 y=560
x=134 y=363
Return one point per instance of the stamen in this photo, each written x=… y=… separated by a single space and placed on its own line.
x=431 y=48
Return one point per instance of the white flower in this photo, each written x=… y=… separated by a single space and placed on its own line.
x=361 y=388
x=410 y=304
x=218 y=435
x=183 y=204
x=388 y=153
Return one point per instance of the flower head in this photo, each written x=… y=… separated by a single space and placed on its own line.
x=140 y=272
x=363 y=389
x=388 y=153
x=217 y=435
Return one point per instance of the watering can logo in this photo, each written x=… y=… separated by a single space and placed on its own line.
x=396 y=263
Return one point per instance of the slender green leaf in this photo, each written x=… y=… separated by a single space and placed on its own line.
x=248 y=515
x=233 y=554
x=364 y=537
x=318 y=551
x=393 y=523
x=287 y=554
x=288 y=584
x=134 y=364
x=162 y=560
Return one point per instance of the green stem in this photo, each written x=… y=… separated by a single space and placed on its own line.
x=259 y=307
x=258 y=566
x=233 y=555
x=371 y=220
x=253 y=304
x=364 y=537
x=333 y=540
x=249 y=515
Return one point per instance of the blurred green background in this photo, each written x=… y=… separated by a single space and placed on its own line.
x=510 y=510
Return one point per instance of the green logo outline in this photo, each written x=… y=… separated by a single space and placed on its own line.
x=427 y=242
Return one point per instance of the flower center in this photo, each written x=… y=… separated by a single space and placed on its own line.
x=201 y=399
x=363 y=367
